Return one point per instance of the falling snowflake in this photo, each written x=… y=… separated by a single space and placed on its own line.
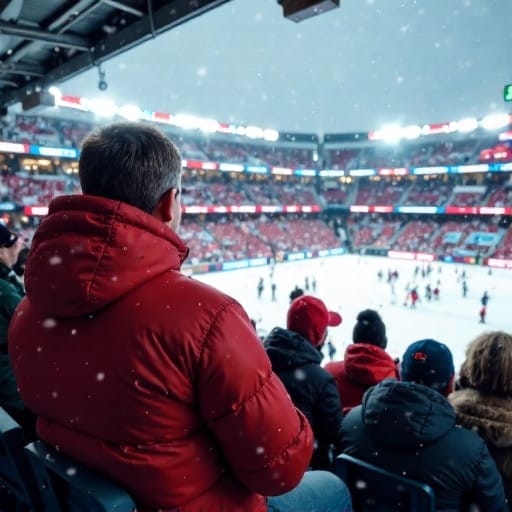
x=55 y=260
x=299 y=374
x=361 y=484
x=202 y=71
x=49 y=323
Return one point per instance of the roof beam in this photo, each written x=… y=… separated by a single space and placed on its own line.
x=21 y=69
x=44 y=36
x=60 y=24
x=134 y=34
x=69 y=17
x=8 y=82
x=125 y=8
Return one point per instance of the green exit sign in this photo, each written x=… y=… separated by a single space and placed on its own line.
x=507 y=92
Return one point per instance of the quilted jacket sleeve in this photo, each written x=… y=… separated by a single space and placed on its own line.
x=328 y=415
x=266 y=441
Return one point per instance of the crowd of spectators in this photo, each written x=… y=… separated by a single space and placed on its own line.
x=244 y=239
x=227 y=238
x=221 y=190
x=203 y=188
x=67 y=133
x=419 y=153
x=235 y=239
x=207 y=417
x=439 y=237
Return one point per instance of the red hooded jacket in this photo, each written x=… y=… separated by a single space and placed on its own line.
x=146 y=375
x=364 y=366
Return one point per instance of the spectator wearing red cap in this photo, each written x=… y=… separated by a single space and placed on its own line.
x=409 y=428
x=295 y=354
x=366 y=361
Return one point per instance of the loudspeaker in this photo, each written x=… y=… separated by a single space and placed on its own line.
x=300 y=10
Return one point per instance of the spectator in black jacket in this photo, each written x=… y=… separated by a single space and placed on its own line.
x=296 y=355
x=409 y=428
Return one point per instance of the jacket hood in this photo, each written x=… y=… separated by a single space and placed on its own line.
x=405 y=415
x=367 y=364
x=287 y=349
x=491 y=416
x=90 y=251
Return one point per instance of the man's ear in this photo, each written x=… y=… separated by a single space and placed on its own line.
x=164 y=208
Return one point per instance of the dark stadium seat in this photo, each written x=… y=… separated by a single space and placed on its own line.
x=16 y=477
x=67 y=485
x=374 y=489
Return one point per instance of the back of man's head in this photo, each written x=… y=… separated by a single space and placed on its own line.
x=430 y=363
x=370 y=329
x=130 y=162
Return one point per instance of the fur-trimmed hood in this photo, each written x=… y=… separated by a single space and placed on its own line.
x=490 y=416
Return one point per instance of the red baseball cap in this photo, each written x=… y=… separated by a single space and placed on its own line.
x=309 y=317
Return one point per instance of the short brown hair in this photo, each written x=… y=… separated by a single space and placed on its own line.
x=488 y=364
x=130 y=162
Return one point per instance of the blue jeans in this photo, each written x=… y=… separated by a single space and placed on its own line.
x=318 y=491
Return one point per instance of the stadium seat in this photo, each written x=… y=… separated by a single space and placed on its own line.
x=16 y=475
x=67 y=485
x=374 y=489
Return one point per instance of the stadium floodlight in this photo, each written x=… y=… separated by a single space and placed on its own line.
x=495 y=121
x=412 y=131
x=390 y=133
x=253 y=132
x=187 y=122
x=131 y=112
x=467 y=125
x=270 y=135
x=208 y=125
x=55 y=92
x=102 y=108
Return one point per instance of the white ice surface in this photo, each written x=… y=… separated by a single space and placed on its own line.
x=349 y=284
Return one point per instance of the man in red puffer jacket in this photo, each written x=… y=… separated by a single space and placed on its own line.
x=141 y=373
x=366 y=361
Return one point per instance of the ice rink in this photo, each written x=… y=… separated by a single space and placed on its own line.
x=349 y=284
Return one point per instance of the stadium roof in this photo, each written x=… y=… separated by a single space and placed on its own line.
x=43 y=43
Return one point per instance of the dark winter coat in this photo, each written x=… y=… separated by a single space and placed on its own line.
x=491 y=417
x=11 y=293
x=410 y=429
x=150 y=377
x=364 y=366
x=312 y=389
